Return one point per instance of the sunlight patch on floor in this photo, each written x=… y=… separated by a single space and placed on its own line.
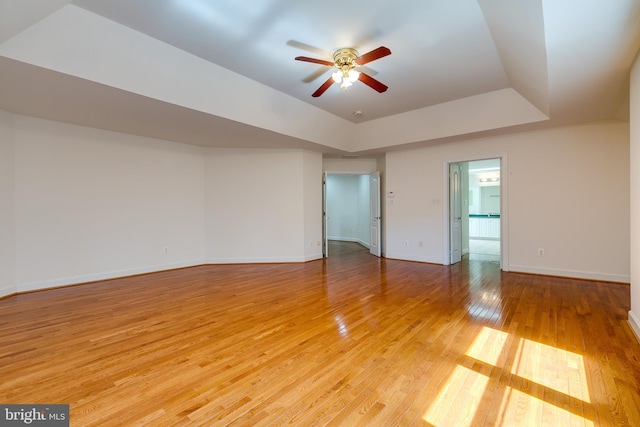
x=543 y=381
x=463 y=385
x=522 y=409
x=488 y=345
x=557 y=369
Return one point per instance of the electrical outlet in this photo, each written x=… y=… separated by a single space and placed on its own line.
x=420 y=244
x=406 y=243
x=165 y=250
x=540 y=252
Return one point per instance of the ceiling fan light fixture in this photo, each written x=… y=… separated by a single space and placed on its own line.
x=346 y=76
x=349 y=77
x=345 y=60
x=345 y=84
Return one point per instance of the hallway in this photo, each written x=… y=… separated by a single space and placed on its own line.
x=484 y=250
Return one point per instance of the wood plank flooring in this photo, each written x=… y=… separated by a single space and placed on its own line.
x=352 y=340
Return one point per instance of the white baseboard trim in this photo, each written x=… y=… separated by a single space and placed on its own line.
x=7 y=292
x=588 y=275
x=342 y=239
x=350 y=239
x=74 y=280
x=259 y=260
x=635 y=324
x=403 y=257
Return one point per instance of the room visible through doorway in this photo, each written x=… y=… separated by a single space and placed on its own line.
x=352 y=210
x=475 y=210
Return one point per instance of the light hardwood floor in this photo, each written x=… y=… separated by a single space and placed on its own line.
x=353 y=340
x=484 y=250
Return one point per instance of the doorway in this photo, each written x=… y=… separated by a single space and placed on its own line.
x=475 y=216
x=351 y=210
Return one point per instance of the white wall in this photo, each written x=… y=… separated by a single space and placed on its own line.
x=342 y=207
x=7 y=206
x=93 y=204
x=81 y=204
x=349 y=204
x=255 y=205
x=567 y=193
x=354 y=166
x=348 y=208
x=634 y=313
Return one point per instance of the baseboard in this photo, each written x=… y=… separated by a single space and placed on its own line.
x=350 y=239
x=635 y=325
x=9 y=294
x=574 y=274
x=7 y=286
x=81 y=279
x=260 y=260
x=402 y=257
x=74 y=280
x=342 y=239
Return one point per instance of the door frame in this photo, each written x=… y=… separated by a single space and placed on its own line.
x=504 y=205
x=375 y=216
x=325 y=238
x=455 y=203
x=325 y=218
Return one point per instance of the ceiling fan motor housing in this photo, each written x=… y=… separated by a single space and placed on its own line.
x=345 y=59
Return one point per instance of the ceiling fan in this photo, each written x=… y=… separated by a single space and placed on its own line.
x=346 y=60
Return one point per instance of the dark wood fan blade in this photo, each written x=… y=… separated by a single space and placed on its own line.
x=315 y=61
x=373 y=55
x=372 y=83
x=323 y=88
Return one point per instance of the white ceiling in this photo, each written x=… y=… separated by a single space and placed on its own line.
x=552 y=61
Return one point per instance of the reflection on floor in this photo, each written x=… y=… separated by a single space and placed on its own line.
x=348 y=340
x=338 y=247
x=479 y=249
x=484 y=250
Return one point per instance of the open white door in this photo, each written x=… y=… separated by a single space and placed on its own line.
x=325 y=218
x=455 y=213
x=374 y=198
